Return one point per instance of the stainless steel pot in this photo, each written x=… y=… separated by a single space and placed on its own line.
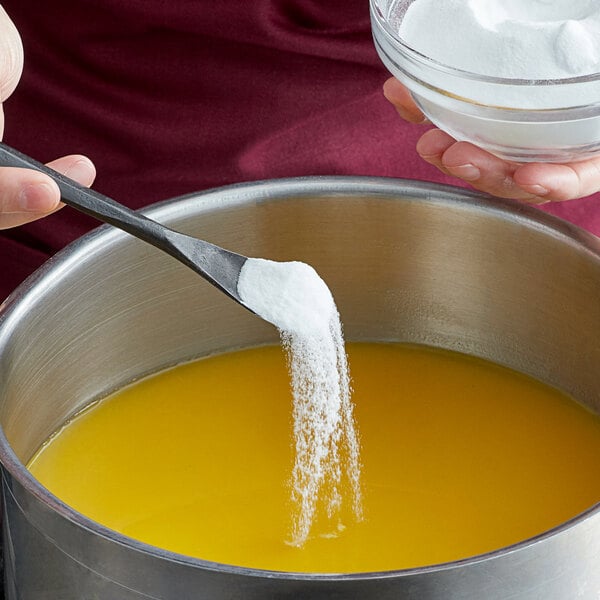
x=406 y=261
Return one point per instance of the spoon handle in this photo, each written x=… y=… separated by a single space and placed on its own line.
x=89 y=201
x=217 y=265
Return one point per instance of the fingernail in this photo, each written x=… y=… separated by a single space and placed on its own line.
x=81 y=171
x=467 y=172
x=535 y=189
x=411 y=117
x=37 y=197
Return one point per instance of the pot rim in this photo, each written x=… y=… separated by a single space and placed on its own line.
x=231 y=196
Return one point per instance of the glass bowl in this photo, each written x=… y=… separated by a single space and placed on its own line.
x=510 y=118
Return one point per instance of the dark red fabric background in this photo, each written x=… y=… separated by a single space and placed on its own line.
x=170 y=97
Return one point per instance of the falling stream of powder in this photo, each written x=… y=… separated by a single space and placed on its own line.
x=324 y=429
x=296 y=300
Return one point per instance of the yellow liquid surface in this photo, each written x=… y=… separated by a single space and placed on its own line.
x=459 y=457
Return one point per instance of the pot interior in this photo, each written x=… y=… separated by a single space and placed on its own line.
x=405 y=262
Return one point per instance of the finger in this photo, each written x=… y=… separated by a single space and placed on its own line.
x=76 y=167
x=560 y=182
x=486 y=172
x=534 y=183
x=11 y=56
x=27 y=195
x=400 y=97
x=432 y=146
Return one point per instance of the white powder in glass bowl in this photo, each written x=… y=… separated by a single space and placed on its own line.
x=520 y=39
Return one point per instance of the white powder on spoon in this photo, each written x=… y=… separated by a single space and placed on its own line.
x=292 y=296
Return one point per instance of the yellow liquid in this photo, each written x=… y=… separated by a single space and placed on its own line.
x=459 y=456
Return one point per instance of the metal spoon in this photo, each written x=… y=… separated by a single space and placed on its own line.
x=217 y=265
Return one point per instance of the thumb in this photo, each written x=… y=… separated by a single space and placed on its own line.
x=27 y=195
x=11 y=56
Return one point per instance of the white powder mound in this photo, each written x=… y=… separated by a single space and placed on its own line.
x=522 y=39
x=290 y=295
x=296 y=300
